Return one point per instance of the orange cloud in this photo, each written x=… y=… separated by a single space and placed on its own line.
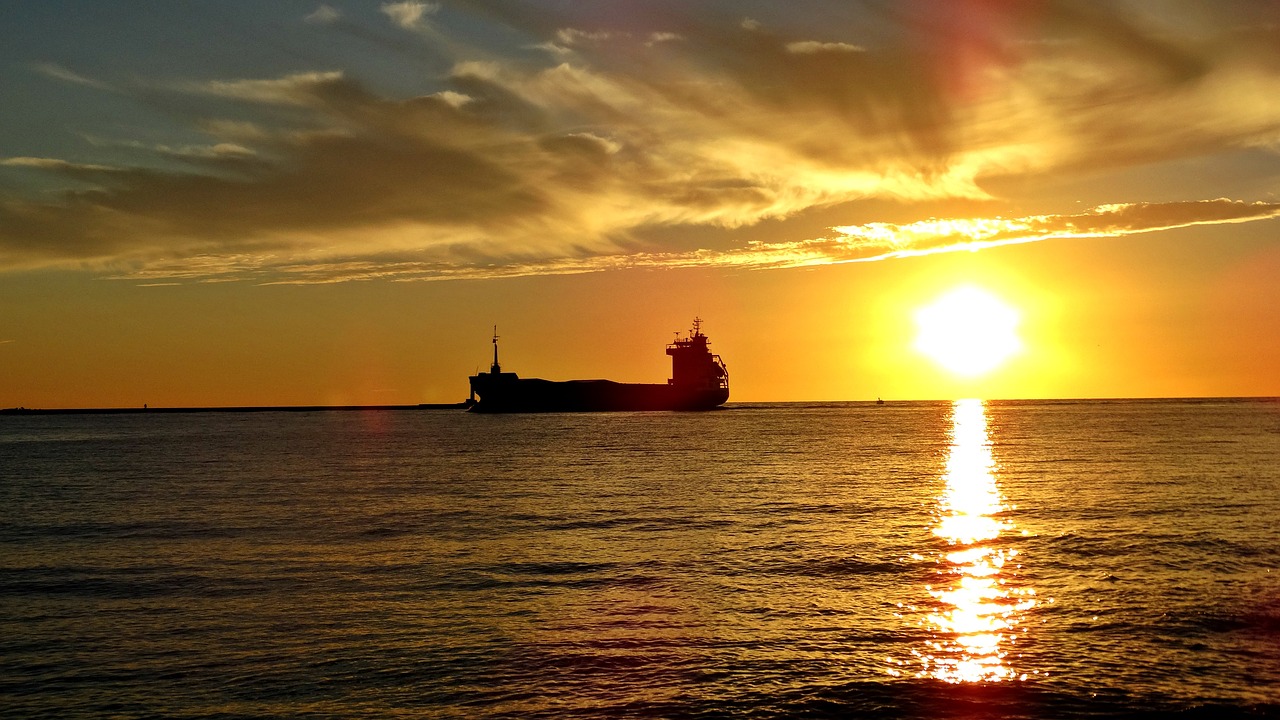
x=516 y=165
x=871 y=242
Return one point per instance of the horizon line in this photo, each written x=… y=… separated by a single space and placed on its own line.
x=22 y=410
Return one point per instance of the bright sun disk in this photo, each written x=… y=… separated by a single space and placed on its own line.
x=968 y=331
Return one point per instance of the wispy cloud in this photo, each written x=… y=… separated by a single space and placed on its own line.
x=809 y=47
x=410 y=13
x=55 y=165
x=869 y=242
x=185 y=152
x=58 y=72
x=323 y=15
x=297 y=89
x=519 y=163
x=573 y=36
x=661 y=37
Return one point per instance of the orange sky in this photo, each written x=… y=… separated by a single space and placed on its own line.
x=338 y=206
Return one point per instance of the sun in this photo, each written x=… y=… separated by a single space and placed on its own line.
x=968 y=331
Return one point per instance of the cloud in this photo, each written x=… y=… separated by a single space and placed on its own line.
x=567 y=40
x=323 y=15
x=214 y=151
x=869 y=242
x=60 y=73
x=882 y=241
x=297 y=89
x=409 y=14
x=572 y=36
x=809 y=47
x=517 y=163
x=663 y=37
x=54 y=164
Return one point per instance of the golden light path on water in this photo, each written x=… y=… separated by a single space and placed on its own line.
x=973 y=624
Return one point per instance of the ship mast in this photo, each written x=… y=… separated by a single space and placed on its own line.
x=496 y=367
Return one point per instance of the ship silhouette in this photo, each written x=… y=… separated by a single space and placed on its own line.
x=699 y=381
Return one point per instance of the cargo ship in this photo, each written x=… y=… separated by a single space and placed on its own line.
x=699 y=381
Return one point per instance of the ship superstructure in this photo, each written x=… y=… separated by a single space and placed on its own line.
x=693 y=365
x=699 y=381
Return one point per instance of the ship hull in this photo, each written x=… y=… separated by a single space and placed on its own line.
x=509 y=394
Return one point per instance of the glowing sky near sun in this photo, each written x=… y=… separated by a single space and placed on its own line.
x=593 y=175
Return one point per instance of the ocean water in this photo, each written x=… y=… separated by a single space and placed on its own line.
x=941 y=560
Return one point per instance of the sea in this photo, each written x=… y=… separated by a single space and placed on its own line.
x=967 y=559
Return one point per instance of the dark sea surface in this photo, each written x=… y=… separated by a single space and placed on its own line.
x=1001 y=559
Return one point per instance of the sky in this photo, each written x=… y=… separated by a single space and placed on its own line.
x=296 y=203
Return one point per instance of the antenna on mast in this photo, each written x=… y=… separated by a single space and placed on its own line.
x=496 y=367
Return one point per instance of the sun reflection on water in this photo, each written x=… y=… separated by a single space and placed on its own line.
x=974 y=619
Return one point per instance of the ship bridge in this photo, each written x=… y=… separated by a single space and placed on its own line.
x=693 y=365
